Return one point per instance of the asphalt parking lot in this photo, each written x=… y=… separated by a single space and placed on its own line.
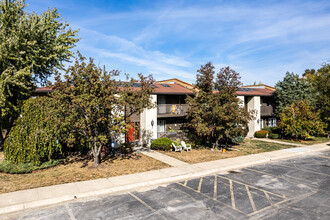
x=298 y=188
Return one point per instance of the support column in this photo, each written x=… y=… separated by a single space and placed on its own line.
x=148 y=131
x=254 y=125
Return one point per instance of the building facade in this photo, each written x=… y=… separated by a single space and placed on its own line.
x=168 y=116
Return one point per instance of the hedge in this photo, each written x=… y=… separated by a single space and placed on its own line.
x=273 y=136
x=269 y=129
x=261 y=134
x=161 y=144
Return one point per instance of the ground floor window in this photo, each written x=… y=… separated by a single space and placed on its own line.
x=268 y=122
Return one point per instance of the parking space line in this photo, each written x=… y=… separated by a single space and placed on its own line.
x=70 y=212
x=268 y=197
x=146 y=205
x=268 y=207
x=281 y=196
x=250 y=197
x=212 y=198
x=305 y=170
x=270 y=174
x=200 y=184
x=281 y=177
x=185 y=183
x=232 y=194
x=215 y=187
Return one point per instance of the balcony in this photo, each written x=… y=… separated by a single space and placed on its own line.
x=266 y=110
x=172 y=110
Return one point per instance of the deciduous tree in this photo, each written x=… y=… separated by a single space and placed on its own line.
x=215 y=112
x=91 y=103
x=300 y=120
x=34 y=137
x=31 y=47
x=320 y=80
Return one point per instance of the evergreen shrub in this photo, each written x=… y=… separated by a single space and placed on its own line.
x=161 y=144
x=273 y=136
x=261 y=134
x=269 y=129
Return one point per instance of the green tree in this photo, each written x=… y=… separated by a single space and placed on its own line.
x=320 y=80
x=34 y=137
x=90 y=103
x=292 y=89
x=31 y=47
x=215 y=112
x=300 y=120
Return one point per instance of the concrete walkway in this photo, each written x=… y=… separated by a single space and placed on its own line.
x=164 y=158
x=32 y=198
x=279 y=142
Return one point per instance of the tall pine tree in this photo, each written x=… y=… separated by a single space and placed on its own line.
x=293 y=89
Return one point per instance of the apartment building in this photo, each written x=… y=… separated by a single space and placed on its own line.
x=169 y=115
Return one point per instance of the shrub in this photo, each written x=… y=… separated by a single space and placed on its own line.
x=34 y=137
x=300 y=121
x=8 y=167
x=126 y=148
x=261 y=134
x=238 y=139
x=269 y=129
x=161 y=144
x=273 y=136
x=276 y=130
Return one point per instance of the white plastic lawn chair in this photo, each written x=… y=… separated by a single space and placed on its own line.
x=177 y=148
x=186 y=146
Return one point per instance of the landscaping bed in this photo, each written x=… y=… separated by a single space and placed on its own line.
x=78 y=169
x=245 y=148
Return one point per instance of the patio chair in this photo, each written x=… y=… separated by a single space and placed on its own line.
x=177 y=148
x=186 y=146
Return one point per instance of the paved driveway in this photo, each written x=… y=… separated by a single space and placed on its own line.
x=291 y=189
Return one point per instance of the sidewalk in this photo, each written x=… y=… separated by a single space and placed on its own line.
x=164 y=158
x=32 y=198
x=279 y=142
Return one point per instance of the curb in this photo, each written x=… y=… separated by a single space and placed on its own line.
x=207 y=166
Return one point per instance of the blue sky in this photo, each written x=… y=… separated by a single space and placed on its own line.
x=261 y=40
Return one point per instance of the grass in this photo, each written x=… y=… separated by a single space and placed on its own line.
x=314 y=140
x=78 y=169
x=7 y=167
x=245 y=148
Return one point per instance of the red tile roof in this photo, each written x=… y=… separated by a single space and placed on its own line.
x=174 y=88
x=171 y=89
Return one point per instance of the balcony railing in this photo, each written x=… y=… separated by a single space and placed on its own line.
x=266 y=110
x=172 y=109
